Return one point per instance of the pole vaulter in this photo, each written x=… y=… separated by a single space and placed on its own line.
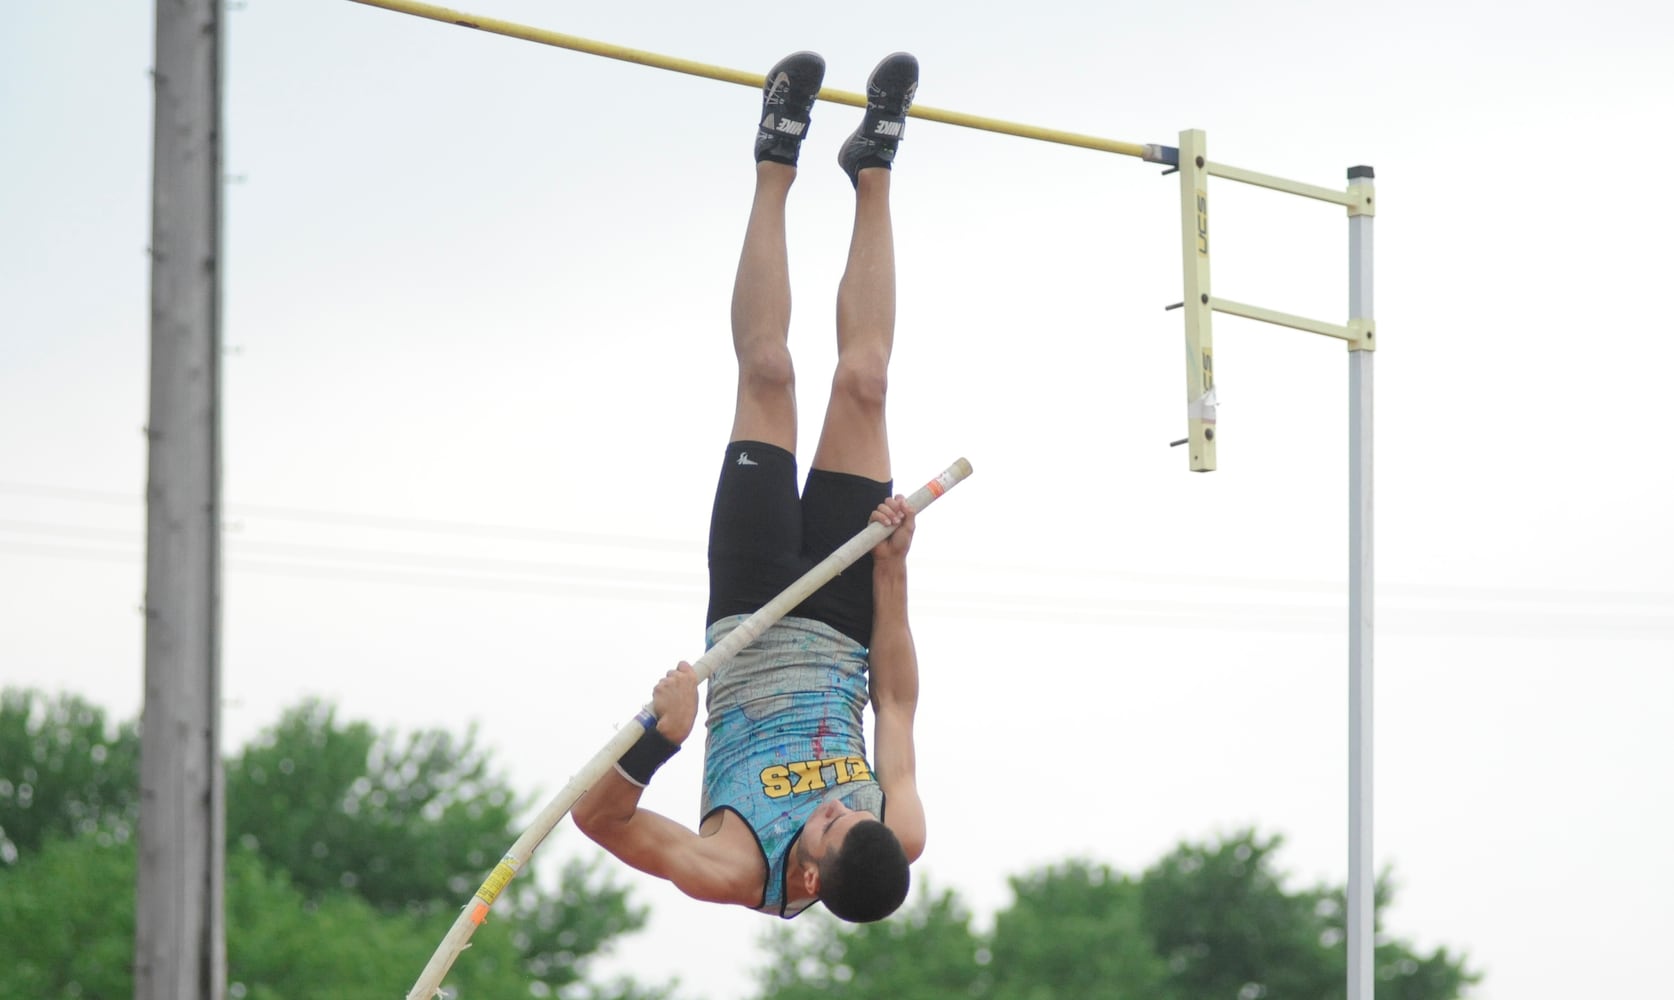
x=476 y=910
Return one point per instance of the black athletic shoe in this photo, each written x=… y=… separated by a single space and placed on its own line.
x=889 y=95
x=787 y=99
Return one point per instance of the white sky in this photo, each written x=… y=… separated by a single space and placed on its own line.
x=477 y=282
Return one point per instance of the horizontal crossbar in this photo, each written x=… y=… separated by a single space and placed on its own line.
x=1149 y=152
x=1272 y=183
x=1282 y=319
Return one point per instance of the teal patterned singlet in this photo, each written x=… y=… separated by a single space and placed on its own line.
x=786 y=732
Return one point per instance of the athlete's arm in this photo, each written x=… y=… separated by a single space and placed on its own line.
x=609 y=814
x=894 y=673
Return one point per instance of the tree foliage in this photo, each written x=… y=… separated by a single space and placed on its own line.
x=1210 y=921
x=349 y=854
x=1074 y=930
x=350 y=851
x=1222 y=917
x=67 y=930
x=405 y=822
x=67 y=919
x=64 y=772
x=925 y=952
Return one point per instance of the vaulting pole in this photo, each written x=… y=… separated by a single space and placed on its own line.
x=476 y=911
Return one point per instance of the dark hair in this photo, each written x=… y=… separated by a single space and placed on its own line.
x=867 y=878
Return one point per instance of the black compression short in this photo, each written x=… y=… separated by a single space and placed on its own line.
x=763 y=537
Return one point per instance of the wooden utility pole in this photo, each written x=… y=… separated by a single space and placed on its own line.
x=180 y=938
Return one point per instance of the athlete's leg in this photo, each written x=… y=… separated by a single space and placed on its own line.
x=761 y=296
x=761 y=301
x=755 y=528
x=854 y=439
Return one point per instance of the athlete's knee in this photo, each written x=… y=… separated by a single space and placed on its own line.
x=765 y=367
x=862 y=378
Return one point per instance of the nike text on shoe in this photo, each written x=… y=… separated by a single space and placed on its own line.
x=787 y=102
x=889 y=96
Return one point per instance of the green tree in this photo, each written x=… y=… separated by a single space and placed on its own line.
x=67 y=930
x=409 y=822
x=350 y=853
x=1210 y=921
x=1075 y=930
x=412 y=824
x=925 y=952
x=1222 y=917
x=67 y=920
x=64 y=771
x=284 y=943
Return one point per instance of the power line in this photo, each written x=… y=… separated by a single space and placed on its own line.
x=1080 y=609
x=1443 y=592
x=392 y=522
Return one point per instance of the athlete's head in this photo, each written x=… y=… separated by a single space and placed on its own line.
x=852 y=862
x=865 y=877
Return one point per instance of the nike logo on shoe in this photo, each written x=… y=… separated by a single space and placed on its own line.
x=744 y=459
x=783 y=126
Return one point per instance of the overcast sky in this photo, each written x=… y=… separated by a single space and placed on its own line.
x=477 y=381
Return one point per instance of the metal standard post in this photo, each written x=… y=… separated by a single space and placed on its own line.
x=1361 y=914
x=180 y=951
x=1194 y=256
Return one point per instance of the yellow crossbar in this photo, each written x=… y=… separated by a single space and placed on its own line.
x=753 y=80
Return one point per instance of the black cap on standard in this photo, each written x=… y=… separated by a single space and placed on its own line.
x=1356 y=173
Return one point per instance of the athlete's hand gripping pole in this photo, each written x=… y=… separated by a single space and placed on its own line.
x=476 y=910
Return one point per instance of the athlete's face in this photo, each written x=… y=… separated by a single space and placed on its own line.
x=828 y=826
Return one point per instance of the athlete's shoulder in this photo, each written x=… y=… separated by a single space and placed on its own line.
x=732 y=841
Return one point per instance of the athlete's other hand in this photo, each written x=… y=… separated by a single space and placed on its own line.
x=674 y=700
x=894 y=511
